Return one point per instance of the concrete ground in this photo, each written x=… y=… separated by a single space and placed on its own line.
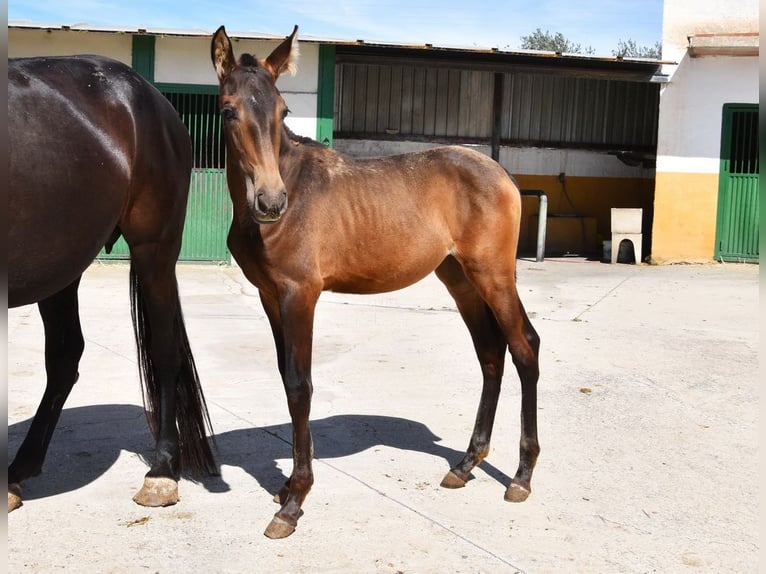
x=648 y=406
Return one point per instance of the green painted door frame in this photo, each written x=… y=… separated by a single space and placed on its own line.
x=143 y=56
x=326 y=94
x=737 y=224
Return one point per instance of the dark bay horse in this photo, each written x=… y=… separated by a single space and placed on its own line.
x=308 y=219
x=97 y=152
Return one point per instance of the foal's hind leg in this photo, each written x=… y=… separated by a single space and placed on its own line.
x=64 y=345
x=497 y=287
x=525 y=348
x=489 y=343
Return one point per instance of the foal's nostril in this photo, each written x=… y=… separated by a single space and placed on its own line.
x=261 y=204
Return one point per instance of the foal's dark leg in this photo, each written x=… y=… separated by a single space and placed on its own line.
x=489 y=343
x=498 y=289
x=64 y=345
x=525 y=348
x=296 y=311
x=271 y=307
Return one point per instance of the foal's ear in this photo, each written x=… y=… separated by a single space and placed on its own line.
x=222 y=53
x=284 y=56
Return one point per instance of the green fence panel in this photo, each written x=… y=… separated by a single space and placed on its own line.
x=208 y=215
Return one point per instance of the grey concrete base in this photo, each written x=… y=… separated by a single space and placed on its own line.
x=648 y=410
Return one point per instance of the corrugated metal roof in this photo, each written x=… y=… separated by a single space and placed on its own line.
x=153 y=30
x=258 y=35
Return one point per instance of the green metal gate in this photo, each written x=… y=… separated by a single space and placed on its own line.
x=737 y=225
x=209 y=211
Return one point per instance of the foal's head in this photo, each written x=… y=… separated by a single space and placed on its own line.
x=253 y=111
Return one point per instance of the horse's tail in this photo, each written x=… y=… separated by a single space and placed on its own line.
x=192 y=416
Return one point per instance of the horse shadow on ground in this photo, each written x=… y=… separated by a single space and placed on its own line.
x=88 y=440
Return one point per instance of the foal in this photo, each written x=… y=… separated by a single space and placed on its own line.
x=308 y=219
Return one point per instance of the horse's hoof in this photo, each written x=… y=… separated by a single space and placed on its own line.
x=279 y=528
x=14 y=496
x=516 y=493
x=451 y=480
x=157 y=491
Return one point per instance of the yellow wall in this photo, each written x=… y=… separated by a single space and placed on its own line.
x=685 y=217
x=592 y=197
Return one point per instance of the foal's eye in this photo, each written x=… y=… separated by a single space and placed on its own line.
x=284 y=113
x=228 y=113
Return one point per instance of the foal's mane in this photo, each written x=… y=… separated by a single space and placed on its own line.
x=301 y=139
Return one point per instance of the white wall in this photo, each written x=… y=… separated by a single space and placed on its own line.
x=184 y=60
x=691 y=103
x=35 y=42
x=691 y=110
x=682 y=18
x=519 y=161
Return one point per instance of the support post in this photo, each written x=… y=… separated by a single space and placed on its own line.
x=497 y=115
x=542 y=219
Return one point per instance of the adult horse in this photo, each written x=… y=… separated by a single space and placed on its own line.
x=308 y=219
x=97 y=152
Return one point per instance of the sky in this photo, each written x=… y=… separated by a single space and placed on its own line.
x=600 y=24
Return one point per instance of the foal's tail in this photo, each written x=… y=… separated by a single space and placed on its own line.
x=192 y=416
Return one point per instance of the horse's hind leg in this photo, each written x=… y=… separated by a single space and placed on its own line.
x=497 y=286
x=174 y=401
x=153 y=309
x=64 y=345
x=489 y=343
x=524 y=345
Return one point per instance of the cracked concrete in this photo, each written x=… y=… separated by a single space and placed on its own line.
x=648 y=404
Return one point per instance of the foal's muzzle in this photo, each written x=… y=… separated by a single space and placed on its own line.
x=266 y=206
x=269 y=207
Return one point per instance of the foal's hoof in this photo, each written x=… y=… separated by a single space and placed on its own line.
x=451 y=480
x=14 y=496
x=157 y=491
x=279 y=528
x=516 y=493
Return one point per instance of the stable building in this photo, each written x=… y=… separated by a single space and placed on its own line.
x=706 y=188
x=582 y=135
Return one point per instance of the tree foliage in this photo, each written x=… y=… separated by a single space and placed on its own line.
x=545 y=41
x=539 y=40
x=630 y=49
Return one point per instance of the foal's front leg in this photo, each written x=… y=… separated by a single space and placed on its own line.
x=296 y=314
